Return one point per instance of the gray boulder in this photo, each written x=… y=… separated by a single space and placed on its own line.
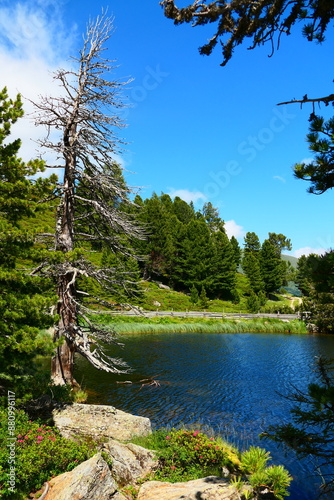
x=92 y=479
x=130 y=462
x=99 y=421
x=208 y=488
x=164 y=287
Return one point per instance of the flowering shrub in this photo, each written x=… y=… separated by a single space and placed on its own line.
x=192 y=454
x=188 y=454
x=40 y=453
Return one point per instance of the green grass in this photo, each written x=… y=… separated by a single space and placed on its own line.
x=129 y=325
x=171 y=300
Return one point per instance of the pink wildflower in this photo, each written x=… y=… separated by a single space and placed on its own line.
x=172 y=467
x=217 y=447
x=40 y=437
x=195 y=433
x=167 y=437
x=20 y=441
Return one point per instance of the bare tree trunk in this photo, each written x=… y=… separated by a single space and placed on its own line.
x=62 y=363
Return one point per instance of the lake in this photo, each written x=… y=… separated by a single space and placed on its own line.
x=230 y=383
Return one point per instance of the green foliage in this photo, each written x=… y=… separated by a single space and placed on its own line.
x=275 y=478
x=25 y=298
x=194 y=297
x=251 y=266
x=40 y=454
x=190 y=454
x=187 y=454
x=254 y=459
x=315 y=277
x=235 y=22
x=203 y=300
x=253 y=303
x=319 y=172
x=272 y=267
x=312 y=431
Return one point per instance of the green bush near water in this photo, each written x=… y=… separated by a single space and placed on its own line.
x=185 y=454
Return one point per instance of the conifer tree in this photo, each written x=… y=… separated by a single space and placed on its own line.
x=24 y=297
x=203 y=300
x=320 y=171
x=194 y=297
x=236 y=250
x=195 y=254
x=267 y=22
x=251 y=262
x=211 y=217
x=252 y=244
x=272 y=270
x=252 y=267
x=224 y=267
x=239 y=20
x=184 y=212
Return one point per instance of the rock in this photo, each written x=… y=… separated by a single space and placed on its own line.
x=99 y=421
x=130 y=462
x=156 y=303
x=92 y=479
x=208 y=488
x=120 y=496
x=164 y=287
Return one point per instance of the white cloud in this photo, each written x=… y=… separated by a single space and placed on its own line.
x=307 y=251
x=187 y=195
x=33 y=44
x=233 y=229
x=307 y=161
x=279 y=178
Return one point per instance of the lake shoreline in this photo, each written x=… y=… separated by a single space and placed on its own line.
x=134 y=325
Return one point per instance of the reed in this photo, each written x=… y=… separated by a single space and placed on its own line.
x=210 y=326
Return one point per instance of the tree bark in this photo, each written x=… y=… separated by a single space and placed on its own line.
x=62 y=363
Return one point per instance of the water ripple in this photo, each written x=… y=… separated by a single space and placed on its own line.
x=230 y=383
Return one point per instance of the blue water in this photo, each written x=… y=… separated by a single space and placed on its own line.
x=230 y=383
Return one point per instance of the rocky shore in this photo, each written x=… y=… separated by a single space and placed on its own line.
x=119 y=469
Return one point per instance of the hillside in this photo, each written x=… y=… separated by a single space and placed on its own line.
x=289 y=258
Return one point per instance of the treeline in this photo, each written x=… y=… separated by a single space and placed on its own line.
x=315 y=279
x=190 y=251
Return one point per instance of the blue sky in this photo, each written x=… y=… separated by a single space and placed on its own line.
x=194 y=129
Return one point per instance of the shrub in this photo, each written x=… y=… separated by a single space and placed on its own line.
x=276 y=479
x=40 y=453
x=188 y=454
x=185 y=454
x=254 y=459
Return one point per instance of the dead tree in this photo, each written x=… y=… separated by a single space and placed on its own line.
x=86 y=116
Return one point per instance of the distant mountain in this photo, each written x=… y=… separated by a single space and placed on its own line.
x=293 y=260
